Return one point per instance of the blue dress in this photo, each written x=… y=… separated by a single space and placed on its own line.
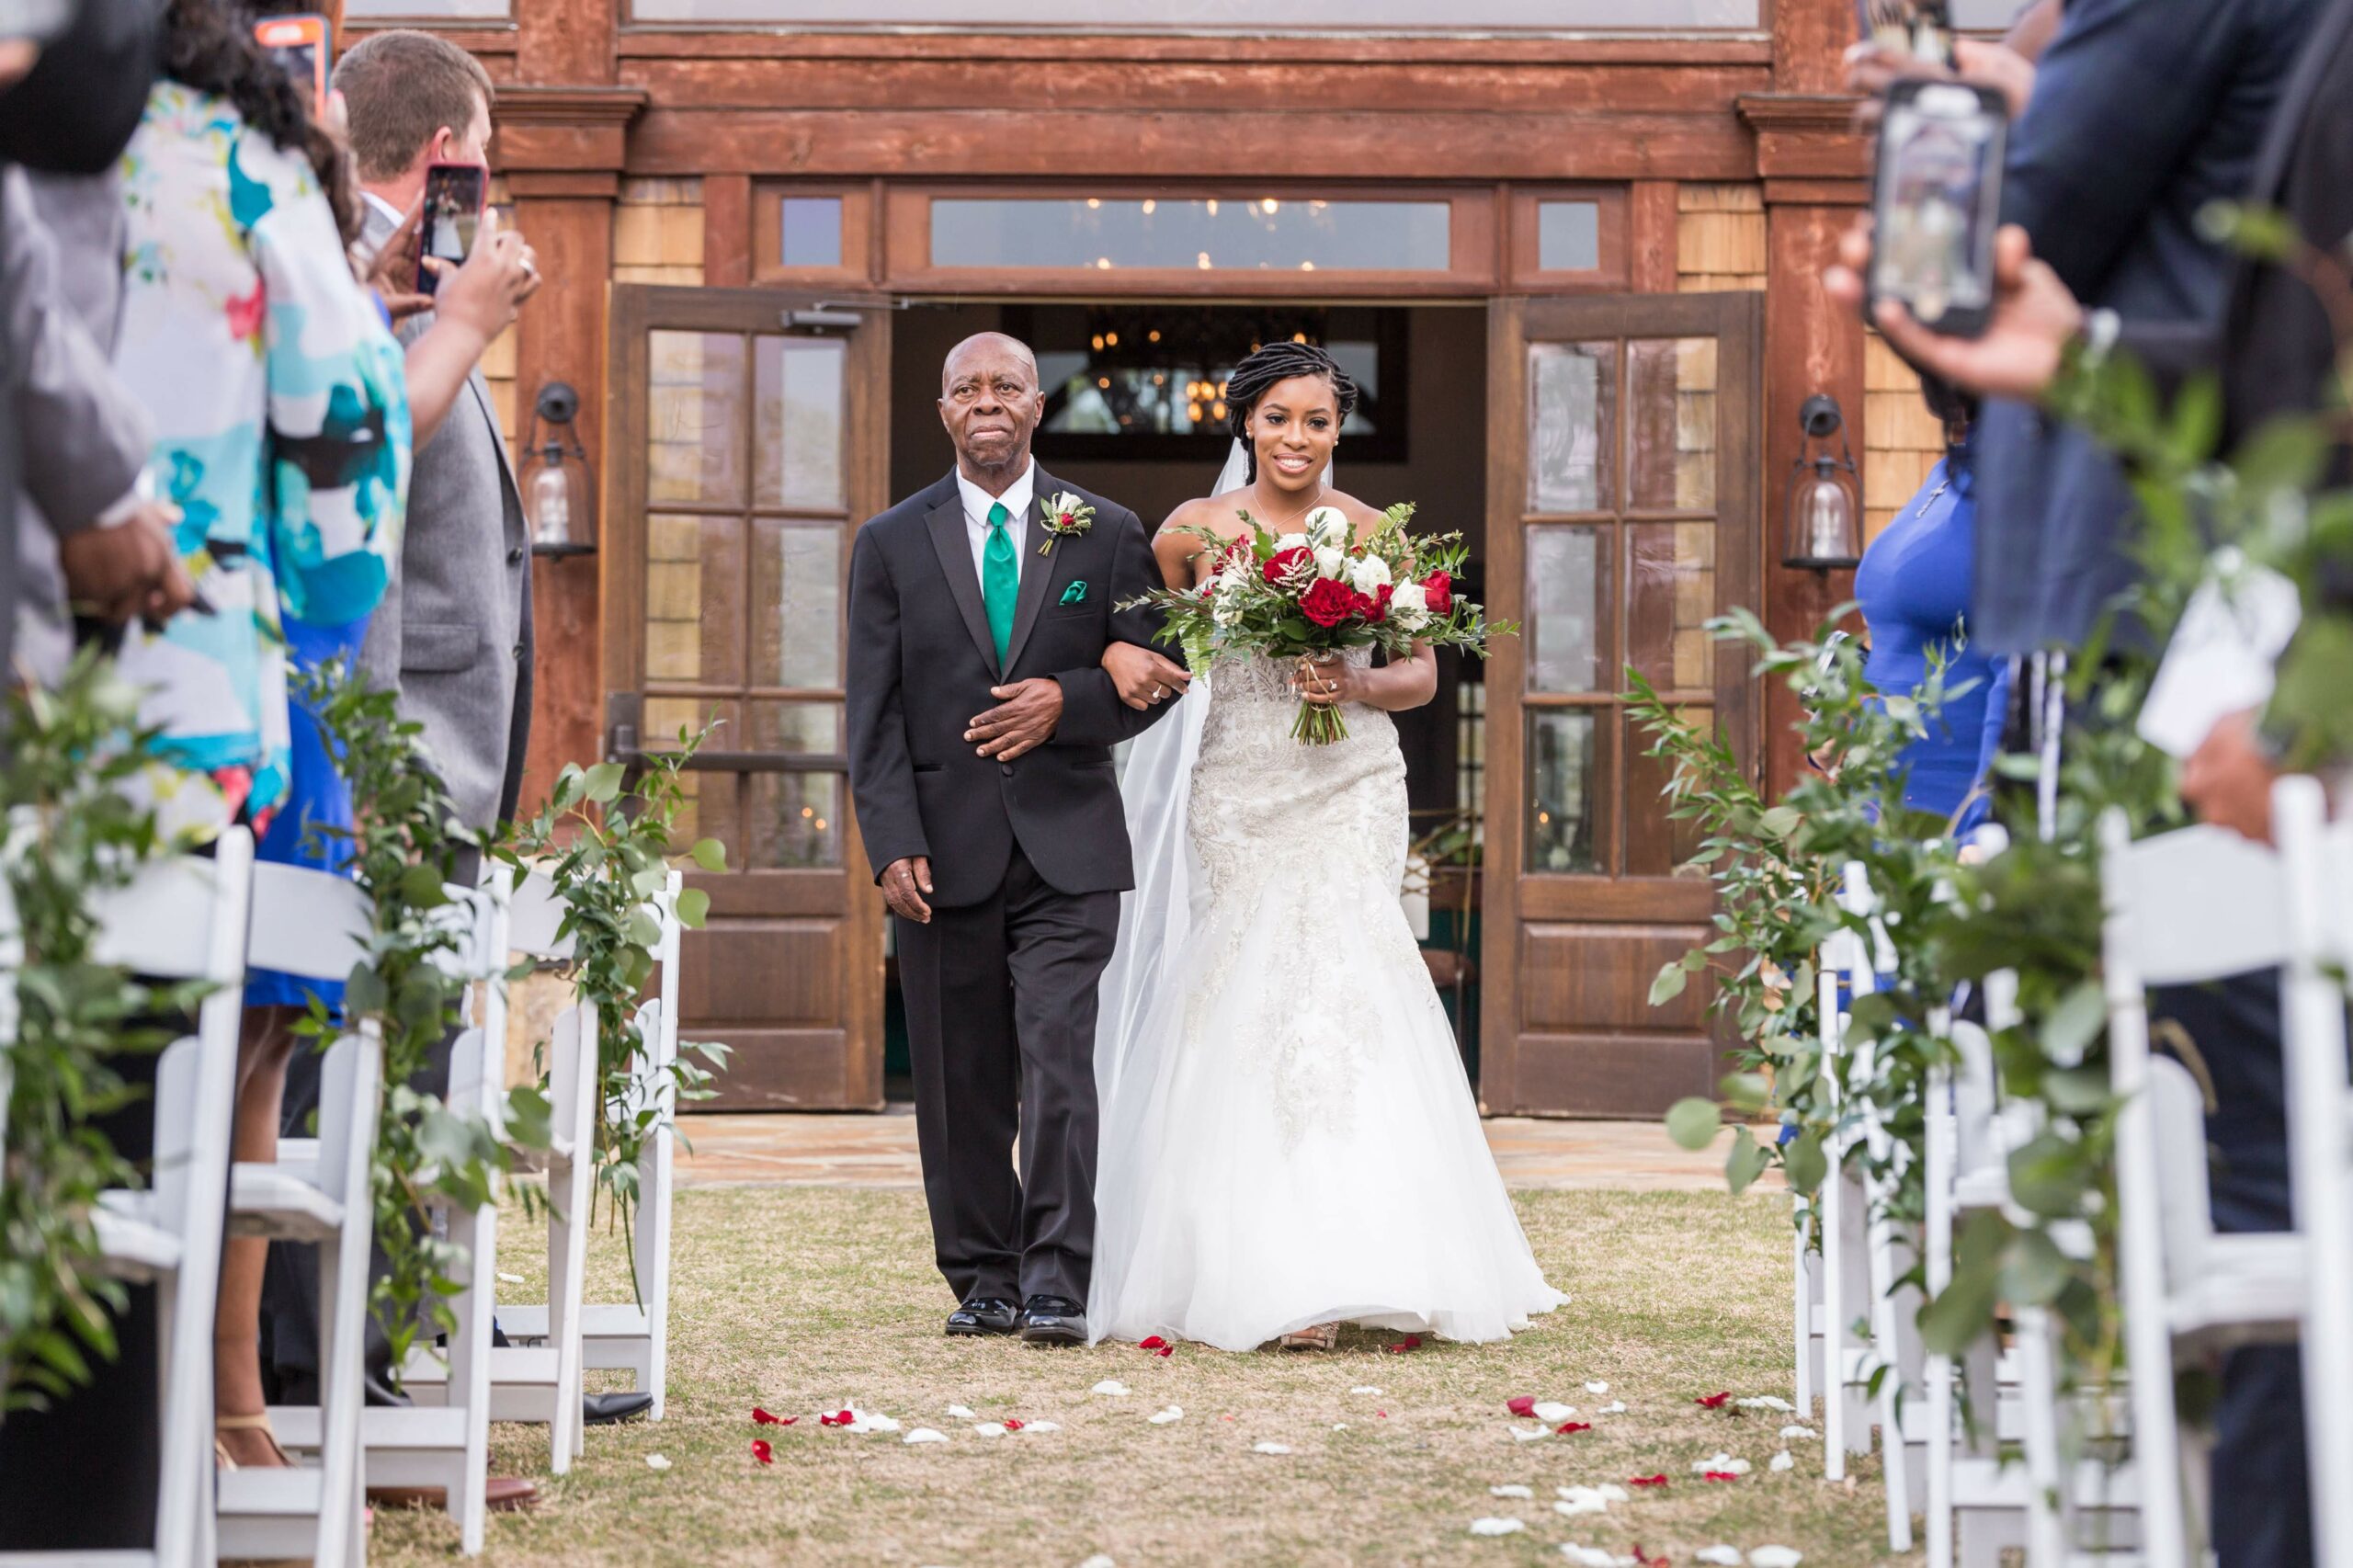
x=1914 y=586
x=317 y=799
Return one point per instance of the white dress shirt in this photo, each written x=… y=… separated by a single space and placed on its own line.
x=977 y=503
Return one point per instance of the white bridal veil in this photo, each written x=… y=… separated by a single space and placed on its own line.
x=1158 y=915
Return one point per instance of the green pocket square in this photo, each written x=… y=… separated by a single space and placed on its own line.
x=1076 y=593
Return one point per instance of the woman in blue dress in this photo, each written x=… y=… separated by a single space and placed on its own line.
x=1914 y=587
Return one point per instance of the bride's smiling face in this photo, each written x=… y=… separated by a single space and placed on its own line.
x=1294 y=430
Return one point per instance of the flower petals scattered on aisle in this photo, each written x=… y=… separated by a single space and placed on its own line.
x=1498 y=1527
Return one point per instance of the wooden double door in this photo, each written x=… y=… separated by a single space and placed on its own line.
x=751 y=428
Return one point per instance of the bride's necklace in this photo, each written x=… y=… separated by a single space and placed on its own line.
x=1296 y=511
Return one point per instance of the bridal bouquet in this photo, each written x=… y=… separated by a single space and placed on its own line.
x=1309 y=596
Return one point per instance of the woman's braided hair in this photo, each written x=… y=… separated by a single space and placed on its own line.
x=1261 y=370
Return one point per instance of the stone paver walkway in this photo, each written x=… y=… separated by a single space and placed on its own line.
x=880 y=1151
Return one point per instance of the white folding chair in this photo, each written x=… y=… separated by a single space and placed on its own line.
x=534 y=1382
x=2184 y=908
x=633 y=1336
x=1845 y=1420
x=181 y=918
x=315 y=924
x=2318 y=861
x=446 y=1444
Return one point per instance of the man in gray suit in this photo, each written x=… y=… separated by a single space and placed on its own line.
x=454 y=633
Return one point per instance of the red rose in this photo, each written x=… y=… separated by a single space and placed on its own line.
x=1283 y=563
x=1439 y=589
x=1329 y=602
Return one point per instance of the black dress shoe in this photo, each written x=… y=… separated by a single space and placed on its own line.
x=605 y=1409
x=1053 y=1319
x=982 y=1315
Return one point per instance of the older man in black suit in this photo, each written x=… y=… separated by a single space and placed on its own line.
x=980 y=728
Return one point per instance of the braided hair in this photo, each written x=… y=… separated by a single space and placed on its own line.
x=1261 y=370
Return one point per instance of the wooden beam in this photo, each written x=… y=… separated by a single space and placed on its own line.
x=1160 y=50
x=1652 y=227
x=727 y=231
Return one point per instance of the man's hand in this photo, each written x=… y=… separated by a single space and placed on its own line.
x=488 y=291
x=2034 y=319
x=392 y=271
x=904 y=882
x=1872 y=68
x=1143 y=677
x=2227 y=780
x=131 y=570
x=1023 y=719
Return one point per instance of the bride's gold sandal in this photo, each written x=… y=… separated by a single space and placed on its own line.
x=1323 y=1337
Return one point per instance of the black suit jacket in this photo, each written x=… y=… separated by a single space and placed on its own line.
x=921 y=664
x=2143 y=112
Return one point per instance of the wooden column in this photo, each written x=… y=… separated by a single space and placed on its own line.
x=1813 y=165
x=561 y=149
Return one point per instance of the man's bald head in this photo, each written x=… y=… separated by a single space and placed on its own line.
x=991 y=403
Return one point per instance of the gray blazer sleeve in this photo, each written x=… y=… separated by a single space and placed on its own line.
x=85 y=438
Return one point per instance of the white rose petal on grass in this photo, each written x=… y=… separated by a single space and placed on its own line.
x=1776 y=1557
x=1597 y=1387
x=1577 y=1500
x=656 y=1461
x=1722 y=1556
x=957 y=1412
x=1270 y=1448
x=1615 y=1408
x=1043 y=1426
x=1521 y=1492
x=1111 y=1387
x=1365 y=1389
x=506 y=1278
x=1766 y=1402
x=1611 y=1492
x=1592 y=1556
x=1163 y=1418
x=1100 y=1560
x=1340 y=1426
x=1724 y=1462
x=870 y=1423
x=1498 y=1527
x=1783 y=1460
x=1552 y=1414
x=1803 y=1434
x=924 y=1434
x=989 y=1429
x=1526 y=1435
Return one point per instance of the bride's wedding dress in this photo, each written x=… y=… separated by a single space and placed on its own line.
x=1288 y=1137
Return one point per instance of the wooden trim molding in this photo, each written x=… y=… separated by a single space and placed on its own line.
x=1805 y=135
x=673 y=42
x=564 y=128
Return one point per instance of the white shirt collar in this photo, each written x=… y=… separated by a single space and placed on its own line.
x=383 y=207
x=1017 y=498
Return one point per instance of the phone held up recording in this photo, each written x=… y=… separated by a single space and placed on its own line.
x=1935 y=202
x=1921 y=28
x=454 y=194
x=302 y=45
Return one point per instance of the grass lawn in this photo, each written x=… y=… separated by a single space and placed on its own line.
x=799 y=1299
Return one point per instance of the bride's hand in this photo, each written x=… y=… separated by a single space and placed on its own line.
x=1143 y=677
x=1327 y=683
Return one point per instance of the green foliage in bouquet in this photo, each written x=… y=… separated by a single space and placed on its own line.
x=73 y=829
x=605 y=839
x=407 y=848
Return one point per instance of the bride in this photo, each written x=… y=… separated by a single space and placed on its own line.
x=1287 y=1139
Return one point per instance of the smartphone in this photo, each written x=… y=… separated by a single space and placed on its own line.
x=301 y=44
x=1921 y=28
x=453 y=200
x=1936 y=201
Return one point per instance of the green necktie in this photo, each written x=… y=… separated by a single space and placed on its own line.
x=1000 y=580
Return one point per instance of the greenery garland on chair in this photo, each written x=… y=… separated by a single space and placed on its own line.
x=73 y=829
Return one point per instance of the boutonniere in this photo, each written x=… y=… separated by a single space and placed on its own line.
x=1066 y=514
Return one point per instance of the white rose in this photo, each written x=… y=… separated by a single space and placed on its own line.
x=1328 y=525
x=1289 y=541
x=1369 y=575
x=1330 y=561
x=1409 y=605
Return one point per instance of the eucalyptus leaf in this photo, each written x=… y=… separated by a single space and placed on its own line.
x=1672 y=977
x=694 y=908
x=1746 y=1161
x=1694 y=1122
x=1807 y=1166
x=710 y=854
x=602 y=784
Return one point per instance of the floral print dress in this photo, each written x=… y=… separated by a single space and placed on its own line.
x=282 y=433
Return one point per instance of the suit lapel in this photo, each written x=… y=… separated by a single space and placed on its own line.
x=954 y=546
x=1036 y=570
x=2312 y=68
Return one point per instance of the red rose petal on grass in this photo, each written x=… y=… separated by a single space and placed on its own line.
x=762 y=1418
x=1720 y=1475
x=1713 y=1400
x=1381 y=1415
x=840 y=1418
x=1411 y=1341
x=1524 y=1405
x=1647 y=1561
x=1646 y=1481
x=1166 y=1350
x=1010 y=1424
x=1565 y=1427
x=761 y=1451
x=1149 y=1342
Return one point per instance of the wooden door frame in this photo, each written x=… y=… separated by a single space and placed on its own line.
x=1737 y=322
x=635 y=311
